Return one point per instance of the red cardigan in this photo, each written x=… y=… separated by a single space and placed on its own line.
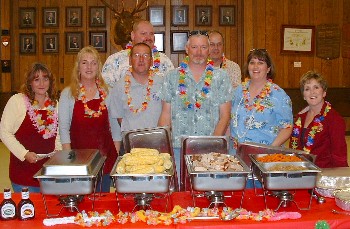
x=329 y=144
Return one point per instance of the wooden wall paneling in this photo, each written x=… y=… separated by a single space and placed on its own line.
x=5 y=24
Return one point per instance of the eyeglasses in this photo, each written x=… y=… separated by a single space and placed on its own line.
x=258 y=50
x=139 y=55
x=198 y=32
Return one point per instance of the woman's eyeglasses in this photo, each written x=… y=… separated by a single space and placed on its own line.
x=198 y=32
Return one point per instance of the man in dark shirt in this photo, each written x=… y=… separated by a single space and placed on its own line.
x=97 y=19
x=27 y=20
x=74 y=43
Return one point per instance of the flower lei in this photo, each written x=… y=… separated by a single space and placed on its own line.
x=148 y=89
x=315 y=128
x=156 y=56
x=265 y=92
x=205 y=90
x=88 y=112
x=47 y=128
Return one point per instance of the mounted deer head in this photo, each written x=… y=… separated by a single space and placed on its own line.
x=124 y=20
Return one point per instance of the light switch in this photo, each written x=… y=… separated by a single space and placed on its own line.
x=297 y=64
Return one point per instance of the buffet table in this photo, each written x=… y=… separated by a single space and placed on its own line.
x=251 y=202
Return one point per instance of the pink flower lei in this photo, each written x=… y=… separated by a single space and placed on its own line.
x=47 y=128
x=156 y=56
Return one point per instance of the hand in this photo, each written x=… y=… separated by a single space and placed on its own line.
x=31 y=157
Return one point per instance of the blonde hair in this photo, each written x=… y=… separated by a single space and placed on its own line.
x=75 y=77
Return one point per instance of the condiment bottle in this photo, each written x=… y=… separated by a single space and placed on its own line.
x=8 y=206
x=25 y=206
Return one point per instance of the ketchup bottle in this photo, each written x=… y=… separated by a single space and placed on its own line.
x=25 y=206
x=8 y=206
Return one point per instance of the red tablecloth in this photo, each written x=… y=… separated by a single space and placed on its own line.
x=251 y=202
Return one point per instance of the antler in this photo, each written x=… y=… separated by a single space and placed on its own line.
x=138 y=7
x=111 y=7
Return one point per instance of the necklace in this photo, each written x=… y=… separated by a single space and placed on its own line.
x=205 y=90
x=47 y=128
x=144 y=104
x=88 y=112
x=257 y=101
x=156 y=56
x=315 y=128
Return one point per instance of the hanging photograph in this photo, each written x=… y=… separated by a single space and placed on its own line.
x=98 y=40
x=179 y=15
x=156 y=15
x=50 y=17
x=159 y=41
x=227 y=15
x=297 y=39
x=203 y=15
x=74 y=16
x=27 y=43
x=178 y=41
x=50 y=42
x=74 y=42
x=97 y=16
x=27 y=18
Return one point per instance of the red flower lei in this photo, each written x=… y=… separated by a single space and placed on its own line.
x=91 y=113
x=144 y=104
x=265 y=92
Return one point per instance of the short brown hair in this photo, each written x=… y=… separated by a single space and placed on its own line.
x=263 y=55
x=313 y=75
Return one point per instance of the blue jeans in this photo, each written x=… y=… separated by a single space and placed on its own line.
x=106 y=184
x=18 y=188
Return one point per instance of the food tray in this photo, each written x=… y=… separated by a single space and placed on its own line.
x=204 y=144
x=141 y=183
x=342 y=199
x=217 y=181
x=71 y=172
x=334 y=178
x=285 y=180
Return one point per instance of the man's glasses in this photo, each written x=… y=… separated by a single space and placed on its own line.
x=146 y=56
x=198 y=32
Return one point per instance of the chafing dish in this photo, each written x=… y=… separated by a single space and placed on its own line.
x=285 y=179
x=217 y=180
x=332 y=179
x=70 y=172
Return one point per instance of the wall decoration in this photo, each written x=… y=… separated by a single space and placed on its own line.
x=227 y=15
x=74 y=42
x=203 y=15
x=297 y=39
x=74 y=16
x=50 y=17
x=27 y=43
x=6 y=66
x=27 y=18
x=50 y=42
x=156 y=15
x=178 y=41
x=159 y=41
x=97 y=16
x=346 y=41
x=98 y=39
x=179 y=15
x=328 y=38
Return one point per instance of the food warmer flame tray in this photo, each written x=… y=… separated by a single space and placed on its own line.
x=285 y=179
x=217 y=180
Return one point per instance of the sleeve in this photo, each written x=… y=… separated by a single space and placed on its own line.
x=58 y=145
x=165 y=91
x=113 y=122
x=114 y=66
x=235 y=73
x=65 y=112
x=338 y=146
x=283 y=109
x=12 y=117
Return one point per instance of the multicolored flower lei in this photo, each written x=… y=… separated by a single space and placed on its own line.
x=265 y=92
x=205 y=90
x=148 y=89
x=47 y=128
x=316 y=127
x=88 y=112
x=156 y=56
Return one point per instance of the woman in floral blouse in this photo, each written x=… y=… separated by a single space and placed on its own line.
x=318 y=128
x=29 y=126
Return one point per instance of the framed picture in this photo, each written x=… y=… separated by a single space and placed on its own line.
x=74 y=16
x=27 y=18
x=203 y=15
x=74 y=42
x=159 y=41
x=297 y=39
x=97 y=16
x=156 y=15
x=27 y=43
x=98 y=39
x=6 y=66
x=50 y=17
x=227 y=15
x=179 y=15
x=178 y=41
x=50 y=42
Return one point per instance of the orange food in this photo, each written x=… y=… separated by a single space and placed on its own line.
x=278 y=157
